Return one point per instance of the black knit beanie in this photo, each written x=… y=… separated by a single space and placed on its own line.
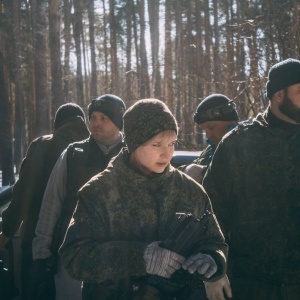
x=111 y=105
x=216 y=107
x=145 y=119
x=67 y=111
x=282 y=75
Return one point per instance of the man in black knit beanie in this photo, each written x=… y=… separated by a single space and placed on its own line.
x=253 y=184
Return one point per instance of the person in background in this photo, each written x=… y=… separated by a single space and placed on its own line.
x=253 y=182
x=113 y=243
x=69 y=126
x=76 y=165
x=216 y=115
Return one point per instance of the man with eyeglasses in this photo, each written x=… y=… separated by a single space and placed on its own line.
x=216 y=115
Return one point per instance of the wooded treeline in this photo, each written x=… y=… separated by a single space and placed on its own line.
x=179 y=51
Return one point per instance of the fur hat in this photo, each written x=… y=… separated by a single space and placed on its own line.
x=67 y=111
x=145 y=119
x=282 y=75
x=216 y=107
x=111 y=105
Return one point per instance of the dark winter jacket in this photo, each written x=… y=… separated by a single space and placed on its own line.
x=206 y=156
x=254 y=185
x=34 y=173
x=119 y=213
x=84 y=160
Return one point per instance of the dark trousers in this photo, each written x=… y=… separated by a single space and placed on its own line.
x=253 y=289
x=34 y=284
x=136 y=291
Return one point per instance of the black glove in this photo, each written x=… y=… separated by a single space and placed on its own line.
x=44 y=269
x=43 y=276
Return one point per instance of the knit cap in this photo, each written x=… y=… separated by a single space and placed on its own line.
x=67 y=111
x=282 y=75
x=111 y=105
x=216 y=107
x=145 y=119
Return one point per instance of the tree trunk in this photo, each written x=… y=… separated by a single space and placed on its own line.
x=208 y=43
x=67 y=39
x=199 y=47
x=178 y=64
x=216 y=49
x=168 y=61
x=153 y=10
x=54 y=47
x=113 y=49
x=137 y=52
x=77 y=25
x=91 y=15
x=6 y=149
x=106 y=54
x=128 y=73
x=240 y=61
x=19 y=133
x=189 y=99
x=229 y=54
x=144 y=79
x=40 y=67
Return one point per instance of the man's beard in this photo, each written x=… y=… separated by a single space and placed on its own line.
x=291 y=110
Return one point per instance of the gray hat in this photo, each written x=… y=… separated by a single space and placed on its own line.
x=111 y=105
x=145 y=119
x=216 y=107
x=282 y=75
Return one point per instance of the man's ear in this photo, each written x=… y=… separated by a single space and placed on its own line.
x=278 y=96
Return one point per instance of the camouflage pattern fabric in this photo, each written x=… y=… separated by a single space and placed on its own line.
x=119 y=213
x=254 y=185
x=205 y=157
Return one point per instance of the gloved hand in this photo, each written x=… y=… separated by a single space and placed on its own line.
x=44 y=269
x=204 y=264
x=195 y=171
x=160 y=261
x=215 y=290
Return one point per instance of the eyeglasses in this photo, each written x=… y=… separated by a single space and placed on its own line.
x=214 y=112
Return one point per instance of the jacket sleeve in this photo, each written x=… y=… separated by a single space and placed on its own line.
x=90 y=255
x=217 y=183
x=24 y=191
x=53 y=200
x=211 y=241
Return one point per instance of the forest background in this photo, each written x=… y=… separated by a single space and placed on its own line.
x=179 y=51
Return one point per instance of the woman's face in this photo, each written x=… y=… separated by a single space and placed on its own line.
x=155 y=154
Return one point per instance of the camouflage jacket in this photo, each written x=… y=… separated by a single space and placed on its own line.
x=254 y=186
x=207 y=154
x=120 y=212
